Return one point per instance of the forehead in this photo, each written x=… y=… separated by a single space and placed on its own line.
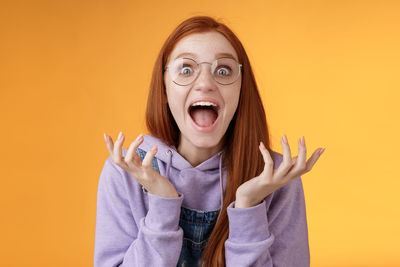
x=204 y=47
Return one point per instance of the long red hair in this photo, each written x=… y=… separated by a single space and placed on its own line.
x=248 y=127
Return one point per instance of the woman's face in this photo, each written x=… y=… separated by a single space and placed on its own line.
x=202 y=127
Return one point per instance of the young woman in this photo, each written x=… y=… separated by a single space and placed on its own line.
x=203 y=188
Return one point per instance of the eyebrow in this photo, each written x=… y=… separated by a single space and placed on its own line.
x=219 y=55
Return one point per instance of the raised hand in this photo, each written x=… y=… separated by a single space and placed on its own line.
x=253 y=191
x=143 y=172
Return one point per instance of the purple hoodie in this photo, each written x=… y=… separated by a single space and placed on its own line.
x=136 y=228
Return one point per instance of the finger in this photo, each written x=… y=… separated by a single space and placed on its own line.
x=109 y=144
x=287 y=161
x=117 y=152
x=149 y=157
x=269 y=163
x=312 y=160
x=131 y=155
x=287 y=154
x=300 y=165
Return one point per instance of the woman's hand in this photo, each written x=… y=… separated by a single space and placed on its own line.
x=253 y=192
x=143 y=172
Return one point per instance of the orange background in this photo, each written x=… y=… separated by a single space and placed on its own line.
x=72 y=70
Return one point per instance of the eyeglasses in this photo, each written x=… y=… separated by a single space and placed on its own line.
x=184 y=71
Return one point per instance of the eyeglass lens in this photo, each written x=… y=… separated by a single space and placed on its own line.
x=184 y=71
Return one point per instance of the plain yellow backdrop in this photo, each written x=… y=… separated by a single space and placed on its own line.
x=73 y=70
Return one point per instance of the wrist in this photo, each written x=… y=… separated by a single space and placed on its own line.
x=242 y=203
x=163 y=189
x=164 y=194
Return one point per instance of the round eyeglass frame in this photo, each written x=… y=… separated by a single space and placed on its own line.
x=199 y=69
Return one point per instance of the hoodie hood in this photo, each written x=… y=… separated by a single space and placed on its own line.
x=202 y=186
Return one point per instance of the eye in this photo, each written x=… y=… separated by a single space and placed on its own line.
x=186 y=70
x=224 y=70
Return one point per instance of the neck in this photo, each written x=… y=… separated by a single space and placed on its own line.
x=196 y=155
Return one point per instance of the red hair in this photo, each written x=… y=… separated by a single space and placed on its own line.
x=248 y=127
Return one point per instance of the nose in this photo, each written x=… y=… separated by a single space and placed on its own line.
x=205 y=80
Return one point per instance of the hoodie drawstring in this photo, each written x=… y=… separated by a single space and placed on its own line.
x=169 y=151
x=221 y=184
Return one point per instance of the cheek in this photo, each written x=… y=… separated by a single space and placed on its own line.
x=175 y=102
x=232 y=100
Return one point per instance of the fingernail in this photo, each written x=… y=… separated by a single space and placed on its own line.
x=119 y=136
x=321 y=151
x=105 y=137
x=303 y=142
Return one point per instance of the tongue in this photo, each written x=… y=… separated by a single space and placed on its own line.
x=204 y=117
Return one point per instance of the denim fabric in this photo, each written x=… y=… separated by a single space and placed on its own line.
x=197 y=226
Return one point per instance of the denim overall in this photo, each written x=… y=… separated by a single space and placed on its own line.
x=197 y=226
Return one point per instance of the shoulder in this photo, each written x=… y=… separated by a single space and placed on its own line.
x=110 y=167
x=112 y=181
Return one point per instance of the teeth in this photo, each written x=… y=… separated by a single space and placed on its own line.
x=203 y=103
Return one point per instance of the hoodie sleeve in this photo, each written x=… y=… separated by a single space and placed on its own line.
x=277 y=237
x=155 y=240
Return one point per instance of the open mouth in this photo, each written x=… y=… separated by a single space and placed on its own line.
x=204 y=114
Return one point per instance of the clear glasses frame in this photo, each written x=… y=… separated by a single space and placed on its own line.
x=198 y=70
